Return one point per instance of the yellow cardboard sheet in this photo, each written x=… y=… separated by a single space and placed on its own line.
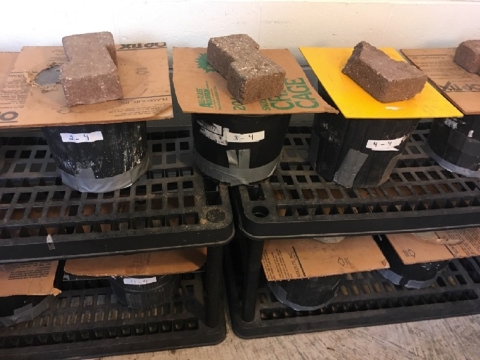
x=144 y=75
x=201 y=89
x=411 y=250
x=356 y=103
x=457 y=84
x=306 y=258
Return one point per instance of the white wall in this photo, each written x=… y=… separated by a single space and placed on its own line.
x=399 y=24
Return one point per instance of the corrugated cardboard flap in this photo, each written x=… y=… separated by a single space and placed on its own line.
x=201 y=89
x=35 y=278
x=307 y=258
x=455 y=83
x=144 y=75
x=152 y=263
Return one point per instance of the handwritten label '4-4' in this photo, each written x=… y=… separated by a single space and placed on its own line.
x=384 y=145
x=82 y=138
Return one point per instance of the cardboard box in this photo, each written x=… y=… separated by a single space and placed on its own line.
x=307 y=258
x=457 y=84
x=144 y=74
x=327 y=64
x=413 y=250
x=35 y=278
x=145 y=264
x=201 y=89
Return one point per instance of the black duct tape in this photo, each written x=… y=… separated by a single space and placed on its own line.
x=27 y=312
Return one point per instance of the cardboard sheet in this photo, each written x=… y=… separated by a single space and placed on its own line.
x=152 y=263
x=457 y=84
x=34 y=278
x=414 y=251
x=356 y=103
x=7 y=59
x=144 y=76
x=307 y=258
x=201 y=89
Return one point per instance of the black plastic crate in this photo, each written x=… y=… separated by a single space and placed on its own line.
x=171 y=205
x=86 y=321
x=364 y=299
x=296 y=201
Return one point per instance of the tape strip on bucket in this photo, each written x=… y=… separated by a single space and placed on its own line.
x=235 y=174
x=27 y=312
x=85 y=181
x=449 y=166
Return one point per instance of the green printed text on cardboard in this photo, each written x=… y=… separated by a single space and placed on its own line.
x=296 y=93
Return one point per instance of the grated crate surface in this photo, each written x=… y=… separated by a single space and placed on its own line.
x=364 y=299
x=86 y=321
x=296 y=201
x=171 y=205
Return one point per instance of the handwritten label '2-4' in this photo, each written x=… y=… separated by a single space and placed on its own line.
x=82 y=137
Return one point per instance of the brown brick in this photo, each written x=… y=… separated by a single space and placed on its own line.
x=255 y=77
x=90 y=76
x=250 y=75
x=467 y=55
x=387 y=80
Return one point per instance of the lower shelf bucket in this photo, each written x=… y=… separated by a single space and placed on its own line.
x=455 y=144
x=145 y=292
x=17 y=309
x=306 y=294
x=416 y=276
x=99 y=158
x=238 y=149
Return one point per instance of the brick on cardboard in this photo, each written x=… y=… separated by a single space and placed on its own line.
x=387 y=80
x=91 y=75
x=467 y=55
x=250 y=75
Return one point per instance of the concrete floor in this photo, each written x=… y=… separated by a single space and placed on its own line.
x=452 y=338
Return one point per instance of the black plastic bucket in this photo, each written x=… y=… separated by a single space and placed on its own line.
x=145 y=292
x=2 y=157
x=357 y=152
x=238 y=149
x=17 y=309
x=455 y=144
x=99 y=158
x=306 y=294
x=416 y=276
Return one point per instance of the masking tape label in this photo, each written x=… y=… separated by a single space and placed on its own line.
x=223 y=136
x=384 y=145
x=245 y=138
x=82 y=137
x=145 y=281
